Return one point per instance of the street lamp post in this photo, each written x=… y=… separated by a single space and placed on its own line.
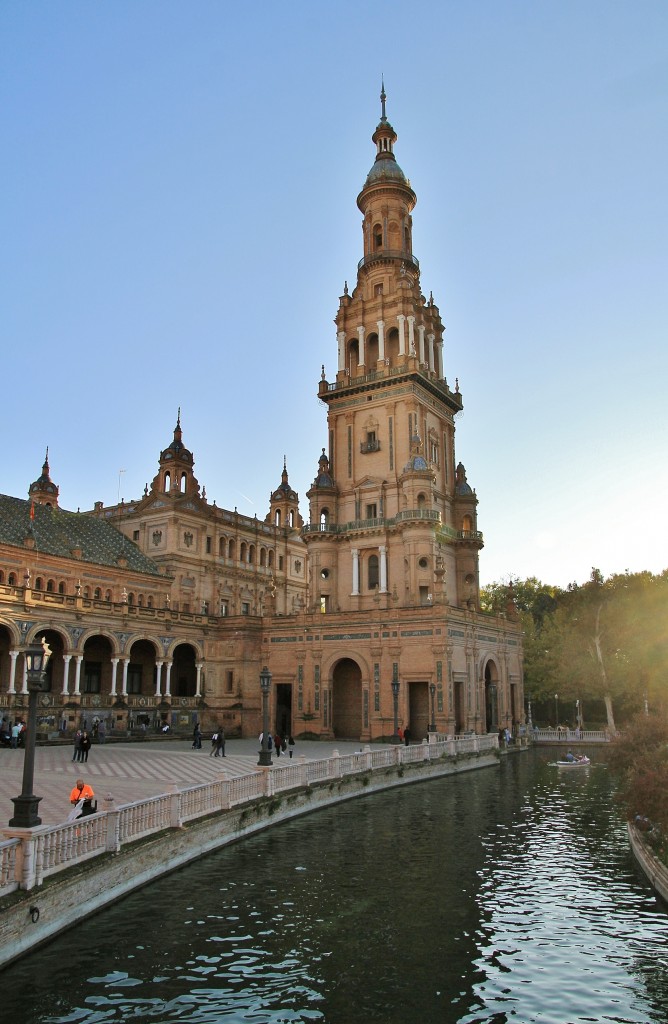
x=265 y=685
x=25 y=806
x=395 y=698
x=556 y=711
x=432 y=691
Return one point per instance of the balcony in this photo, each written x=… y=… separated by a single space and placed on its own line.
x=388 y=254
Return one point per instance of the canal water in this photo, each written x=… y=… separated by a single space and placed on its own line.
x=502 y=895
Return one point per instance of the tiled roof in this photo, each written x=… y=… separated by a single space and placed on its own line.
x=58 y=532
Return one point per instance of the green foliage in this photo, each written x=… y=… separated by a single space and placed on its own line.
x=606 y=639
x=639 y=758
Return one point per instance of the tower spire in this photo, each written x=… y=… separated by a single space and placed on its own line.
x=383 y=97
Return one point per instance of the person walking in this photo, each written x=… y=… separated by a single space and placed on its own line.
x=220 y=743
x=85 y=746
x=197 y=737
x=277 y=745
x=76 y=755
x=291 y=745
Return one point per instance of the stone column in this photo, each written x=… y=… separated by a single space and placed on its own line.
x=24 y=678
x=341 y=341
x=124 y=683
x=12 y=671
x=411 y=335
x=402 y=334
x=168 y=679
x=421 y=344
x=158 y=677
x=381 y=339
x=78 y=658
x=439 y=359
x=383 y=568
x=362 y=358
x=430 y=339
x=198 y=689
x=114 y=666
x=356 y=571
x=66 y=674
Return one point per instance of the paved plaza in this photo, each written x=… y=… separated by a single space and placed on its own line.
x=134 y=771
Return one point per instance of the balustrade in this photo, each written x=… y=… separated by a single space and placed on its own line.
x=28 y=856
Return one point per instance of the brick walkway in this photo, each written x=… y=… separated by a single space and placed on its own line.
x=133 y=771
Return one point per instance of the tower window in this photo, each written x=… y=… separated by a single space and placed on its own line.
x=377 y=237
x=372 y=571
x=372 y=511
x=378 y=289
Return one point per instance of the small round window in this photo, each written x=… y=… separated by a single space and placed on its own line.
x=423 y=563
x=325 y=574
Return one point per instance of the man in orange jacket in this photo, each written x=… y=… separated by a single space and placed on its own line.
x=82 y=791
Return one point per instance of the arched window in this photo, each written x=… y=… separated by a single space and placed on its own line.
x=2 y=576
x=378 y=236
x=251 y=554
x=271 y=560
x=131 y=598
x=263 y=557
x=324 y=517
x=140 y=600
x=422 y=501
x=11 y=580
x=168 y=481
x=50 y=586
x=277 y=517
x=97 y=594
x=221 y=546
x=107 y=595
x=39 y=582
x=61 y=587
x=86 y=593
x=231 y=549
x=184 y=480
x=372 y=571
x=242 y=551
x=467 y=524
x=292 y=518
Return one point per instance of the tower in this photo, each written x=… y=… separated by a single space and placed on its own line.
x=393 y=521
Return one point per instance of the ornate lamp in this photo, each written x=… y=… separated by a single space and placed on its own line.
x=432 y=692
x=265 y=686
x=25 y=806
x=395 y=699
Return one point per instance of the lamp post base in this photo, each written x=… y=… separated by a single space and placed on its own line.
x=25 y=808
x=395 y=739
x=265 y=758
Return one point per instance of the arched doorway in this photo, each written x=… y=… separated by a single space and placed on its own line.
x=491 y=697
x=347 y=700
x=184 y=672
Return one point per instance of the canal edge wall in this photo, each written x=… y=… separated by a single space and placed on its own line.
x=30 y=919
x=654 y=870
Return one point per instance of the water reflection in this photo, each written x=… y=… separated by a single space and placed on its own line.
x=503 y=895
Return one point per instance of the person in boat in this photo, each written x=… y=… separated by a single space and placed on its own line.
x=570 y=756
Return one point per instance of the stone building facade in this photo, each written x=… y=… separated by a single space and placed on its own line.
x=164 y=610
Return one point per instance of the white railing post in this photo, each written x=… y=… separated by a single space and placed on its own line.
x=425 y=750
x=336 y=764
x=175 y=819
x=112 y=842
x=368 y=760
x=303 y=771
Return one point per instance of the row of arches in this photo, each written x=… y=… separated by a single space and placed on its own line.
x=248 y=553
x=98 y=665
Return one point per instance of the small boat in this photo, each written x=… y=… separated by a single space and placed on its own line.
x=579 y=762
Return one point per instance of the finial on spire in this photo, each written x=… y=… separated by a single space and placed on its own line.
x=178 y=419
x=383 y=97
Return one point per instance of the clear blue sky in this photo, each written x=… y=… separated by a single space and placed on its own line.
x=178 y=218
